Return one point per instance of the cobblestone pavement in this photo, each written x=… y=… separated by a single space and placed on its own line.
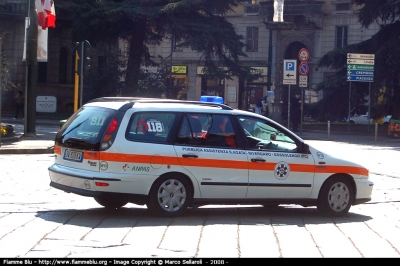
x=39 y=221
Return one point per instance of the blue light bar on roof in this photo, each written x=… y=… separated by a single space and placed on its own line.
x=212 y=99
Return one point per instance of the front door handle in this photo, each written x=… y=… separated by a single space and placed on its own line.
x=189 y=156
x=257 y=160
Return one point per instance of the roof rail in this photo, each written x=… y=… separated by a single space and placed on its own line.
x=157 y=100
x=115 y=99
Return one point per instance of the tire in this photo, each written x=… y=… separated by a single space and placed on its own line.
x=336 y=197
x=110 y=202
x=170 y=195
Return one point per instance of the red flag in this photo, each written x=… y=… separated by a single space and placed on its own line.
x=46 y=13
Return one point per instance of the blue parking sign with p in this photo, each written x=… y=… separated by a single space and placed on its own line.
x=289 y=66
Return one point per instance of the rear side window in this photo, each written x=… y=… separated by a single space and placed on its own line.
x=151 y=126
x=85 y=128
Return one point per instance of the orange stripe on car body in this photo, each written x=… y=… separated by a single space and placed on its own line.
x=138 y=158
x=91 y=155
x=341 y=169
x=213 y=163
x=230 y=164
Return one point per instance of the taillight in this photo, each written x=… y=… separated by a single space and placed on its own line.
x=112 y=126
x=109 y=134
x=101 y=184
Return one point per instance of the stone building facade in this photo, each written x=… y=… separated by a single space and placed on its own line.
x=318 y=26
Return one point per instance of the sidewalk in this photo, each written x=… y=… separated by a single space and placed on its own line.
x=40 y=143
x=46 y=130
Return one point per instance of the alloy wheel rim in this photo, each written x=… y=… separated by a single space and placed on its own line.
x=171 y=195
x=339 y=197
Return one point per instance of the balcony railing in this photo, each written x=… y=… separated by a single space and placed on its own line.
x=299 y=7
x=293 y=9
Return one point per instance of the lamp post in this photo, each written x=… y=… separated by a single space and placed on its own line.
x=32 y=72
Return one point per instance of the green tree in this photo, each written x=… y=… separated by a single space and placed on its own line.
x=6 y=83
x=385 y=44
x=198 y=24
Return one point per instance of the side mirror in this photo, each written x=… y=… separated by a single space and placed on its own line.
x=304 y=148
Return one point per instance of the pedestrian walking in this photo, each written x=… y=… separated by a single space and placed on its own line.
x=260 y=104
x=19 y=104
x=295 y=111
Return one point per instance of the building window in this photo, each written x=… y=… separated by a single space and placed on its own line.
x=343 y=7
x=341 y=36
x=252 y=39
x=42 y=72
x=63 y=66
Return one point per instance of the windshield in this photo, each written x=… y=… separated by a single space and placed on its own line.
x=85 y=128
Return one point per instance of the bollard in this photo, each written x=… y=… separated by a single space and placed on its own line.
x=376 y=131
x=329 y=129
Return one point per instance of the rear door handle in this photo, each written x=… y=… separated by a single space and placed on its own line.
x=189 y=156
x=257 y=160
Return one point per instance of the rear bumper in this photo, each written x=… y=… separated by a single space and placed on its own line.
x=78 y=191
x=85 y=183
x=134 y=198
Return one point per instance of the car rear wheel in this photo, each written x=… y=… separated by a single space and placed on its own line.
x=335 y=197
x=170 y=195
x=110 y=202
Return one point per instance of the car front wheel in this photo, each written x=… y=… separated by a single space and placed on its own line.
x=336 y=196
x=170 y=195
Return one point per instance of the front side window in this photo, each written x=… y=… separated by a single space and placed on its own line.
x=150 y=126
x=262 y=136
x=207 y=130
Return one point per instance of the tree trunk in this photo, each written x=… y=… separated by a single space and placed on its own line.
x=136 y=50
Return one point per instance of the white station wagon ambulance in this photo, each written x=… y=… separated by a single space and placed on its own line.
x=171 y=155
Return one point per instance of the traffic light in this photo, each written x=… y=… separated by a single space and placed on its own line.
x=86 y=53
x=83 y=49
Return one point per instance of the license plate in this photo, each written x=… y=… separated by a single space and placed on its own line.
x=75 y=156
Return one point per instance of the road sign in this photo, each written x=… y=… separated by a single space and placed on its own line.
x=360 y=72
x=304 y=55
x=303 y=69
x=289 y=82
x=289 y=71
x=360 y=78
x=360 y=56
x=303 y=81
x=360 y=67
x=360 y=61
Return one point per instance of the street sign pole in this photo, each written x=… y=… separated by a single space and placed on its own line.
x=302 y=113
x=288 y=113
x=369 y=105
x=304 y=55
x=360 y=67
x=348 y=127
